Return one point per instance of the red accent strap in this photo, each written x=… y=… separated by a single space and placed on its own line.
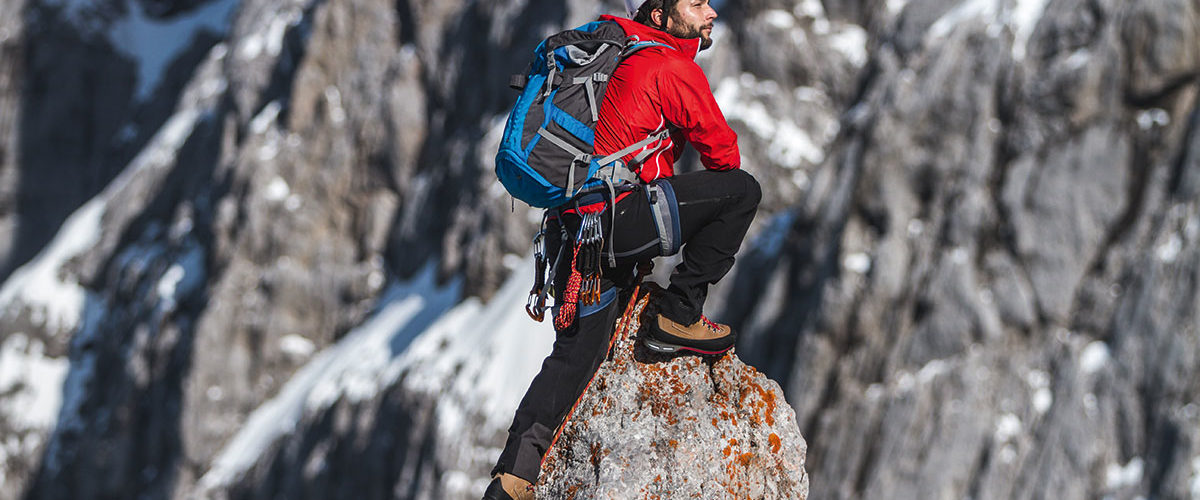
x=598 y=206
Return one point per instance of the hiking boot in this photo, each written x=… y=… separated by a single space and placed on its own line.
x=702 y=337
x=508 y=487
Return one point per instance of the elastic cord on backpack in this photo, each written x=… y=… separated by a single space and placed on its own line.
x=612 y=228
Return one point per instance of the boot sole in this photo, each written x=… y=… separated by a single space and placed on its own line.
x=665 y=348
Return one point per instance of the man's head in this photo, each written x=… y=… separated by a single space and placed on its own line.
x=681 y=18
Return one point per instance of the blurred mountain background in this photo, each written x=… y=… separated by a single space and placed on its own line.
x=255 y=249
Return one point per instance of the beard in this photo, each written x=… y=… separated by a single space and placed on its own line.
x=683 y=30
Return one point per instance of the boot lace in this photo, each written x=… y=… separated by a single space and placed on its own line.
x=710 y=324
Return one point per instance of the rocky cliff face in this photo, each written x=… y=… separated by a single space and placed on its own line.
x=651 y=426
x=317 y=153
x=245 y=228
x=990 y=290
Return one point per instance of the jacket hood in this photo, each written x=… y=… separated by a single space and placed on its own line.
x=687 y=46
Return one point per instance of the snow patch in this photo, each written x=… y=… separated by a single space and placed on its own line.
x=488 y=368
x=39 y=285
x=810 y=8
x=263 y=120
x=269 y=150
x=476 y=359
x=154 y=43
x=1039 y=383
x=1169 y=250
x=875 y=392
x=816 y=96
x=791 y=145
x=1024 y=17
x=894 y=7
x=76 y=386
x=787 y=143
x=183 y=277
x=959 y=255
x=779 y=19
x=915 y=227
x=32 y=382
x=932 y=370
x=851 y=42
x=355 y=368
x=1078 y=59
x=857 y=262
x=1008 y=454
x=1021 y=16
x=45 y=288
x=277 y=189
x=1094 y=356
x=1196 y=478
x=269 y=40
x=1130 y=474
x=1008 y=426
x=1150 y=118
x=170 y=280
x=511 y=261
x=971 y=9
x=296 y=346
x=337 y=114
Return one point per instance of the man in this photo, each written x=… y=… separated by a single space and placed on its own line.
x=655 y=89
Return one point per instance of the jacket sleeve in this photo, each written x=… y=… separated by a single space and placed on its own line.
x=687 y=102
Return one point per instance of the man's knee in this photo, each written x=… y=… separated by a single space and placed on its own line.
x=752 y=193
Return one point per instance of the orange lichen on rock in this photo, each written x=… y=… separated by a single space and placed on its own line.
x=769 y=399
x=646 y=411
x=765 y=402
x=744 y=459
x=678 y=387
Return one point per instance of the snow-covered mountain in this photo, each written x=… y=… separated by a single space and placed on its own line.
x=254 y=248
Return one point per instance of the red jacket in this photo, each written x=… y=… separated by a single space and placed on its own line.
x=658 y=86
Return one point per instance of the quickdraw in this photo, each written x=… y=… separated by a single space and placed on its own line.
x=535 y=305
x=591 y=245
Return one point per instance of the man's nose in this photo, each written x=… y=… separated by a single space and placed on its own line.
x=710 y=13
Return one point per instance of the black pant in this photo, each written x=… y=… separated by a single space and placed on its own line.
x=715 y=210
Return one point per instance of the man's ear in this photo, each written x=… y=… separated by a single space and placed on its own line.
x=656 y=17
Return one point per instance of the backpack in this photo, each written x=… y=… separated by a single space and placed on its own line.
x=545 y=156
